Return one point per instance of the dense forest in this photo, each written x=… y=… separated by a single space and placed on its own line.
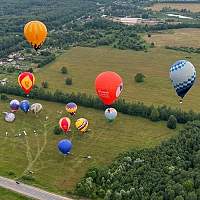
x=79 y=23
x=167 y=172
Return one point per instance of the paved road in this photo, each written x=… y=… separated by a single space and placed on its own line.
x=29 y=191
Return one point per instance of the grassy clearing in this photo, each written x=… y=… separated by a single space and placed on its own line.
x=179 y=38
x=8 y=195
x=39 y=152
x=193 y=7
x=84 y=64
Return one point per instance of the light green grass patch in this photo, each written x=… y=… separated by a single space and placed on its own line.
x=39 y=153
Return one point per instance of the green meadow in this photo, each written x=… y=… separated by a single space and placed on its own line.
x=84 y=64
x=8 y=195
x=38 y=151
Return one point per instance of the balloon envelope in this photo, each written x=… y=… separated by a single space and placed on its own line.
x=64 y=124
x=26 y=81
x=14 y=105
x=182 y=75
x=110 y=114
x=24 y=106
x=71 y=108
x=35 y=33
x=65 y=146
x=9 y=117
x=82 y=124
x=36 y=108
x=109 y=86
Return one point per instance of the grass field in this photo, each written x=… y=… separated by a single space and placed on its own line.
x=84 y=64
x=39 y=152
x=193 y=7
x=179 y=38
x=8 y=195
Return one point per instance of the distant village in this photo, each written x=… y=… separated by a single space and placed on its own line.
x=19 y=61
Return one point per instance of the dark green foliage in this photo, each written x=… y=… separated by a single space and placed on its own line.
x=45 y=84
x=57 y=130
x=30 y=70
x=10 y=69
x=11 y=173
x=169 y=171
x=68 y=81
x=134 y=109
x=28 y=178
x=3 y=97
x=171 y=123
x=64 y=70
x=185 y=49
x=154 y=115
x=45 y=60
x=152 y=45
x=139 y=77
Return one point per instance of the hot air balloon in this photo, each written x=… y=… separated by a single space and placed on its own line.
x=182 y=75
x=14 y=105
x=9 y=117
x=26 y=81
x=110 y=114
x=36 y=108
x=109 y=86
x=24 y=106
x=64 y=124
x=82 y=125
x=71 y=108
x=65 y=146
x=35 y=33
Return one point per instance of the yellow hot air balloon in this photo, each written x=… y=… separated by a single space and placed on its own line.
x=35 y=33
x=82 y=124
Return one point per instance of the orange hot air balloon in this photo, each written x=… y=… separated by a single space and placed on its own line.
x=35 y=33
x=26 y=81
x=109 y=86
x=64 y=124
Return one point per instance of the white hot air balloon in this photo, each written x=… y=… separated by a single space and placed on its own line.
x=110 y=114
x=36 y=108
x=9 y=117
x=182 y=75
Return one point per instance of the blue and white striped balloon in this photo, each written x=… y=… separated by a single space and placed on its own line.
x=182 y=75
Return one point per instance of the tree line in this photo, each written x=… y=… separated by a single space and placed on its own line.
x=131 y=108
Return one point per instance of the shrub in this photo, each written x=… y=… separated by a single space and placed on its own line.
x=68 y=81
x=11 y=173
x=172 y=121
x=154 y=115
x=152 y=45
x=3 y=97
x=64 y=70
x=30 y=70
x=28 y=177
x=57 y=130
x=45 y=84
x=11 y=69
x=139 y=77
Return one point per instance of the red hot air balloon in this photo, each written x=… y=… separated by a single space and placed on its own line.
x=64 y=124
x=26 y=81
x=109 y=86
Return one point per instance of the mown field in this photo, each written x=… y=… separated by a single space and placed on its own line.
x=38 y=152
x=8 y=195
x=84 y=64
x=179 y=38
x=193 y=7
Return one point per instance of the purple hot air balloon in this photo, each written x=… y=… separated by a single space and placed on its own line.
x=14 y=105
